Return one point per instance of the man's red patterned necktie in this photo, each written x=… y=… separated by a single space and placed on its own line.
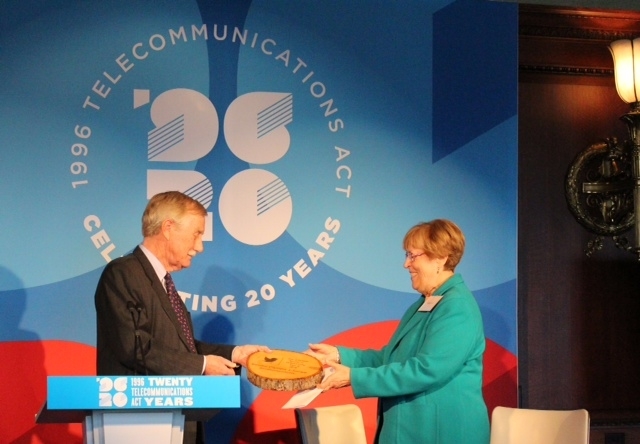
x=180 y=309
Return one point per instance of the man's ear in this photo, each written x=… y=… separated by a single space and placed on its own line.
x=166 y=227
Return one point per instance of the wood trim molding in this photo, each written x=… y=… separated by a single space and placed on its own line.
x=571 y=41
x=566 y=70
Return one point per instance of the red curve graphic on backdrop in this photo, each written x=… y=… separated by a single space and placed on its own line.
x=25 y=366
x=267 y=423
x=23 y=371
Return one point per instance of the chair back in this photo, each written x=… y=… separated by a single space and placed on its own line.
x=530 y=426
x=340 y=424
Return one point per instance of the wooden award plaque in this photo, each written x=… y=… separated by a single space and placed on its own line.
x=283 y=370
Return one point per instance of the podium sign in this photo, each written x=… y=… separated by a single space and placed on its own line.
x=136 y=408
x=142 y=392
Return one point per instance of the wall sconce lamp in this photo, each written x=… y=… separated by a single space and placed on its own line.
x=602 y=186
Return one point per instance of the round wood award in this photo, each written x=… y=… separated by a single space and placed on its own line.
x=283 y=370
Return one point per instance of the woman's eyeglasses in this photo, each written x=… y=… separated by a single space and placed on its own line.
x=412 y=257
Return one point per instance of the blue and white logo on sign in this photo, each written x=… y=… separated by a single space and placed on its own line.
x=112 y=392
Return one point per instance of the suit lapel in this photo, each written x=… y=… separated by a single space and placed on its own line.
x=161 y=293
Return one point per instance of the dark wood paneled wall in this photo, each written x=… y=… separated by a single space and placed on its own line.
x=579 y=317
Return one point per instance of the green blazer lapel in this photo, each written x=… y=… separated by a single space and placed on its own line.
x=409 y=321
x=413 y=317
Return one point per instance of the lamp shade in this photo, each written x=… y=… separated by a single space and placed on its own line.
x=626 y=66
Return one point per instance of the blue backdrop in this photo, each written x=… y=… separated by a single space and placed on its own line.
x=349 y=120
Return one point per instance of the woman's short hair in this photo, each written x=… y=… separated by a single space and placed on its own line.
x=168 y=205
x=437 y=238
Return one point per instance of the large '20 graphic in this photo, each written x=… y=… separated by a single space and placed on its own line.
x=255 y=205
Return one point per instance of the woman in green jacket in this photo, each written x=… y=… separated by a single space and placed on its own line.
x=428 y=378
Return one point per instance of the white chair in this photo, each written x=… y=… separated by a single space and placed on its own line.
x=340 y=424
x=529 y=426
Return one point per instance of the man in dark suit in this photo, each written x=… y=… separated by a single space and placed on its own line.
x=138 y=286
